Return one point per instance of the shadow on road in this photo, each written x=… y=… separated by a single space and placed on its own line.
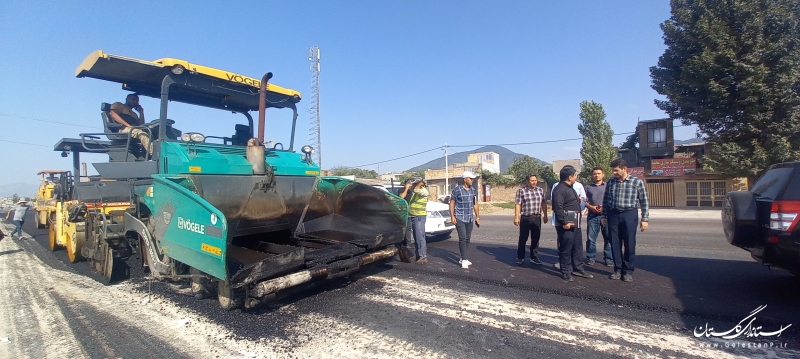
x=11 y=251
x=727 y=289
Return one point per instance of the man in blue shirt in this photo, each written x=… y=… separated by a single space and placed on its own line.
x=19 y=217
x=463 y=203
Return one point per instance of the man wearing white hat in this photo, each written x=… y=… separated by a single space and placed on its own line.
x=463 y=213
x=19 y=216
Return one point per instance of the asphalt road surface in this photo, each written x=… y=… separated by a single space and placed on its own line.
x=687 y=277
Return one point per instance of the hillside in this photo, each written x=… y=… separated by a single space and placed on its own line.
x=506 y=158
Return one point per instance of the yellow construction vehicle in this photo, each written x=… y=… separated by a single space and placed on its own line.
x=45 y=205
x=66 y=220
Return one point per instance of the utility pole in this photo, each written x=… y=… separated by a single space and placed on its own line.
x=316 y=132
x=446 y=171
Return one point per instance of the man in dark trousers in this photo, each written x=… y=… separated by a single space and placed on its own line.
x=404 y=251
x=624 y=194
x=594 y=198
x=417 y=213
x=529 y=211
x=464 y=212
x=567 y=208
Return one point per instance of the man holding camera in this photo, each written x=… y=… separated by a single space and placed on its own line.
x=122 y=113
x=417 y=211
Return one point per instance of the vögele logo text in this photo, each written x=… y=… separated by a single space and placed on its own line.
x=187 y=224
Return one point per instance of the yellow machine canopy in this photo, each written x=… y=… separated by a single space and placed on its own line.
x=196 y=84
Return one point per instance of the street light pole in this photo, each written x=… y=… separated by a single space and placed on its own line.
x=446 y=171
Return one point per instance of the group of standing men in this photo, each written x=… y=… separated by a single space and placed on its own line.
x=612 y=211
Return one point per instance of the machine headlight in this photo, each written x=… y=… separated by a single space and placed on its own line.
x=197 y=137
x=177 y=69
x=193 y=137
x=307 y=149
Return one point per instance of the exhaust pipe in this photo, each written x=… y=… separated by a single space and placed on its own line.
x=274 y=285
x=262 y=105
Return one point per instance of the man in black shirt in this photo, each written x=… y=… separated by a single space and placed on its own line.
x=567 y=209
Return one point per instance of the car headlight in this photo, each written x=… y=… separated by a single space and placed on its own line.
x=193 y=137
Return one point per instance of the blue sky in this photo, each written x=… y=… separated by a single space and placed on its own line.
x=398 y=77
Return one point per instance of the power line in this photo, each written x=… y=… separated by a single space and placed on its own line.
x=25 y=143
x=48 y=121
x=535 y=142
x=500 y=144
x=398 y=158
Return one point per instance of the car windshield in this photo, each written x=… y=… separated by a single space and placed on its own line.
x=771 y=182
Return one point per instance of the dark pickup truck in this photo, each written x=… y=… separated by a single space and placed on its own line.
x=764 y=219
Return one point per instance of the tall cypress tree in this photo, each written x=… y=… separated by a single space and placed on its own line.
x=732 y=67
x=597 y=149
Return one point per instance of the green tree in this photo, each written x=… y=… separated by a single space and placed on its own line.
x=631 y=141
x=547 y=174
x=495 y=179
x=733 y=69
x=525 y=165
x=406 y=175
x=358 y=172
x=597 y=149
x=14 y=198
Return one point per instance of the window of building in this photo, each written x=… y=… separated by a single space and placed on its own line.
x=656 y=134
x=691 y=194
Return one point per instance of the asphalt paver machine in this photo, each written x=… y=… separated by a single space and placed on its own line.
x=241 y=220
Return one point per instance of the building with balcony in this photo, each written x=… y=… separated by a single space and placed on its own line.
x=673 y=169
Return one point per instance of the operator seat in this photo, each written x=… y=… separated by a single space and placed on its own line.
x=111 y=128
x=241 y=136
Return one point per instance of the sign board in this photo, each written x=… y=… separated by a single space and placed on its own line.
x=636 y=172
x=673 y=166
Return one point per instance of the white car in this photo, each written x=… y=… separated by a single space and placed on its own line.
x=437 y=222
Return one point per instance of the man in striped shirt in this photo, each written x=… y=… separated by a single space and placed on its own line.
x=529 y=210
x=624 y=195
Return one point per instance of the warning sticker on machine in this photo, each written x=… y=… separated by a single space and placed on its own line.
x=195 y=169
x=211 y=249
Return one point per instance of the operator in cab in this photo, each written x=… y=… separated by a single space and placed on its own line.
x=123 y=113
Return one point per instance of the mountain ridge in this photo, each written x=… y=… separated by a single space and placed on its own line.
x=506 y=158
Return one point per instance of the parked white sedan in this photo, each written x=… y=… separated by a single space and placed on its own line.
x=438 y=220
